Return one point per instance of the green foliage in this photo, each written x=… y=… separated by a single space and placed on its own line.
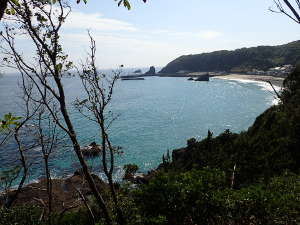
x=27 y=215
x=270 y=146
x=80 y=217
x=191 y=143
x=202 y=197
x=9 y=122
x=130 y=170
x=126 y=3
x=176 y=197
x=240 y=60
x=20 y=216
x=191 y=192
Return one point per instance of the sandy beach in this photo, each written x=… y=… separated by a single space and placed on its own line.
x=276 y=81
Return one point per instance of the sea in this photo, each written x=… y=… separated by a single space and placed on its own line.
x=154 y=116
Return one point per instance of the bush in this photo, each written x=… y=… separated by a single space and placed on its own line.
x=130 y=170
x=202 y=197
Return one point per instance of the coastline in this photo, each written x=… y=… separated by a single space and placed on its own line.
x=276 y=81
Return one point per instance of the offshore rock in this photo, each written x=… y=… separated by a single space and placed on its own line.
x=203 y=77
x=151 y=71
x=91 y=150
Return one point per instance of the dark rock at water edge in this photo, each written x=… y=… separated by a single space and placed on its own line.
x=134 y=78
x=203 y=77
x=64 y=192
x=138 y=71
x=91 y=150
x=151 y=71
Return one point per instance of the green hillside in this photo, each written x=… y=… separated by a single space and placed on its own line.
x=240 y=60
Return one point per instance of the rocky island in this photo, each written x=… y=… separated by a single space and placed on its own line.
x=150 y=72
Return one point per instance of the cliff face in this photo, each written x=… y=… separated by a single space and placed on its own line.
x=240 y=60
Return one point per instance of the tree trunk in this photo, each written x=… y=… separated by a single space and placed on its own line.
x=3 y=5
x=77 y=150
x=12 y=198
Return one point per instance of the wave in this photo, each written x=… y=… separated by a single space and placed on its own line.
x=262 y=84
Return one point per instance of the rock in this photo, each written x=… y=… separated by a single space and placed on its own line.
x=135 y=78
x=203 y=77
x=151 y=71
x=190 y=78
x=91 y=150
x=138 y=71
x=64 y=192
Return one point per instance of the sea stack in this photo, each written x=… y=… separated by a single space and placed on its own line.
x=151 y=71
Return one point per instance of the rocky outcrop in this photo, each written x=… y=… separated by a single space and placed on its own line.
x=204 y=77
x=64 y=192
x=91 y=150
x=151 y=71
x=138 y=71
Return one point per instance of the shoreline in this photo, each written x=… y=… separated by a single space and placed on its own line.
x=276 y=81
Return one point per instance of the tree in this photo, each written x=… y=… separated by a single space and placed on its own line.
x=99 y=89
x=4 y=4
x=48 y=138
x=42 y=22
x=287 y=8
x=12 y=127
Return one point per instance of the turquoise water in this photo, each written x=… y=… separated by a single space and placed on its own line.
x=155 y=115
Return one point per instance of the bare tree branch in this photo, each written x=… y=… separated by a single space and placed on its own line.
x=287 y=9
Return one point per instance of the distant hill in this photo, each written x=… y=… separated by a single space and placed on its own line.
x=240 y=60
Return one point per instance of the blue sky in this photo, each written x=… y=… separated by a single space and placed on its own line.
x=161 y=30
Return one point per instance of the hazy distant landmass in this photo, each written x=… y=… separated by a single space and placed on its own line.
x=240 y=60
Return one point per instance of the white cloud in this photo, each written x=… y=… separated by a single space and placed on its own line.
x=113 y=50
x=120 y=42
x=209 y=34
x=79 y=20
x=205 y=34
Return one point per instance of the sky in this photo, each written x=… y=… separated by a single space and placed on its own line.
x=159 y=31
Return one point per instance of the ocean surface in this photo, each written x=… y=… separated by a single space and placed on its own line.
x=155 y=115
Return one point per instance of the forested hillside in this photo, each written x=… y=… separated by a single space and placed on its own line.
x=240 y=60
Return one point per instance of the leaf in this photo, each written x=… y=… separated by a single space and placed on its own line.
x=8 y=116
x=15 y=2
x=7 y=11
x=58 y=67
x=16 y=118
x=127 y=4
x=13 y=11
x=9 y=121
